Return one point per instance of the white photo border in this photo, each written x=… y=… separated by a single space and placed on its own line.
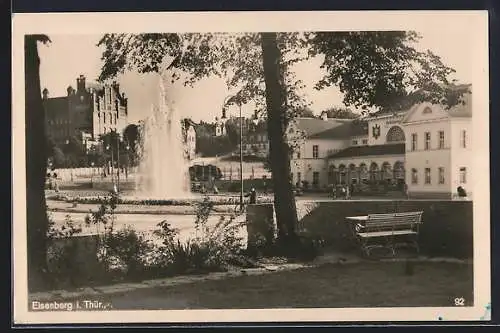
x=98 y=23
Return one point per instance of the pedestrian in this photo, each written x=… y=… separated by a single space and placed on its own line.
x=462 y=194
x=406 y=191
x=56 y=186
x=48 y=181
x=253 y=196
x=343 y=191
x=347 y=192
x=264 y=185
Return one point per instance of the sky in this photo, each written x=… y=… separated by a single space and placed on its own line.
x=68 y=56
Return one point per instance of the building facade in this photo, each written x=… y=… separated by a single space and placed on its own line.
x=86 y=112
x=426 y=149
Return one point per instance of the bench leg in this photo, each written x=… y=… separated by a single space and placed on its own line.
x=412 y=243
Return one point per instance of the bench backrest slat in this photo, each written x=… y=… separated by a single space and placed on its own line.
x=393 y=220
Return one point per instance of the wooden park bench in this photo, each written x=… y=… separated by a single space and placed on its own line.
x=388 y=231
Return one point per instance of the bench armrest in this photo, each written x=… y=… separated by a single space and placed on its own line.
x=359 y=227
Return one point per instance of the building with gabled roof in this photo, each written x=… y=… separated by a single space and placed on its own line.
x=86 y=112
x=425 y=149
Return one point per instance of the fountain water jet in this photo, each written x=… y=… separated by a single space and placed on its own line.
x=163 y=169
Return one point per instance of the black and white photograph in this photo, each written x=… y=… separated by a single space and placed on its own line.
x=251 y=167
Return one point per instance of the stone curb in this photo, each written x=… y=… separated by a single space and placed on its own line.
x=180 y=280
x=164 y=282
x=131 y=212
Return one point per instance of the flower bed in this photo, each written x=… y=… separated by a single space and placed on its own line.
x=154 y=202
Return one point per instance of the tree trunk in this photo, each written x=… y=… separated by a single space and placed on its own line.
x=284 y=200
x=36 y=165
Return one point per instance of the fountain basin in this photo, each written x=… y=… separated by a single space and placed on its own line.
x=159 y=201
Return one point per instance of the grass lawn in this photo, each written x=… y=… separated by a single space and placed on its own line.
x=372 y=284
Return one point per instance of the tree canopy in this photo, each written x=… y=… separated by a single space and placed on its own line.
x=371 y=68
x=342 y=113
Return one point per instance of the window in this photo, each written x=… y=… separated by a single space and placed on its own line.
x=354 y=142
x=104 y=118
x=315 y=151
x=464 y=139
x=298 y=154
x=315 y=178
x=427 y=141
x=441 y=139
x=427 y=175
x=414 y=139
x=441 y=175
x=365 y=141
x=414 y=176
x=299 y=177
x=463 y=175
x=395 y=134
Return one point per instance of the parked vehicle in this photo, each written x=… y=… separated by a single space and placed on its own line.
x=204 y=172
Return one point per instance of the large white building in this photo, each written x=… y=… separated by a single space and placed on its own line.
x=427 y=147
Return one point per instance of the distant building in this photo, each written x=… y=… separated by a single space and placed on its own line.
x=220 y=127
x=87 y=112
x=426 y=147
x=256 y=141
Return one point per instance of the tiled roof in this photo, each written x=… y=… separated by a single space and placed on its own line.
x=341 y=131
x=356 y=151
x=359 y=127
x=313 y=126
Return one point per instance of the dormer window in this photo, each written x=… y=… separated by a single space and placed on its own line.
x=427 y=110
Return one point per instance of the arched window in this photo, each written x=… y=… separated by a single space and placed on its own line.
x=374 y=172
x=331 y=174
x=353 y=174
x=395 y=134
x=386 y=170
x=363 y=171
x=399 y=170
x=342 y=174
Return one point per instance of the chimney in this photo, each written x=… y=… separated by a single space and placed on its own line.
x=80 y=83
x=45 y=93
x=324 y=115
x=70 y=90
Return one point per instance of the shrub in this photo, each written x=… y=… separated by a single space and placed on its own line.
x=60 y=255
x=128 y=250
x=212 y=248
x=104 y=218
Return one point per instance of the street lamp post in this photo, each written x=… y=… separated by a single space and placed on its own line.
x=112 y=165
x=117 y=163
x=128 y=161
x=241 y=157
x=227 y=100
x=92 y=174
